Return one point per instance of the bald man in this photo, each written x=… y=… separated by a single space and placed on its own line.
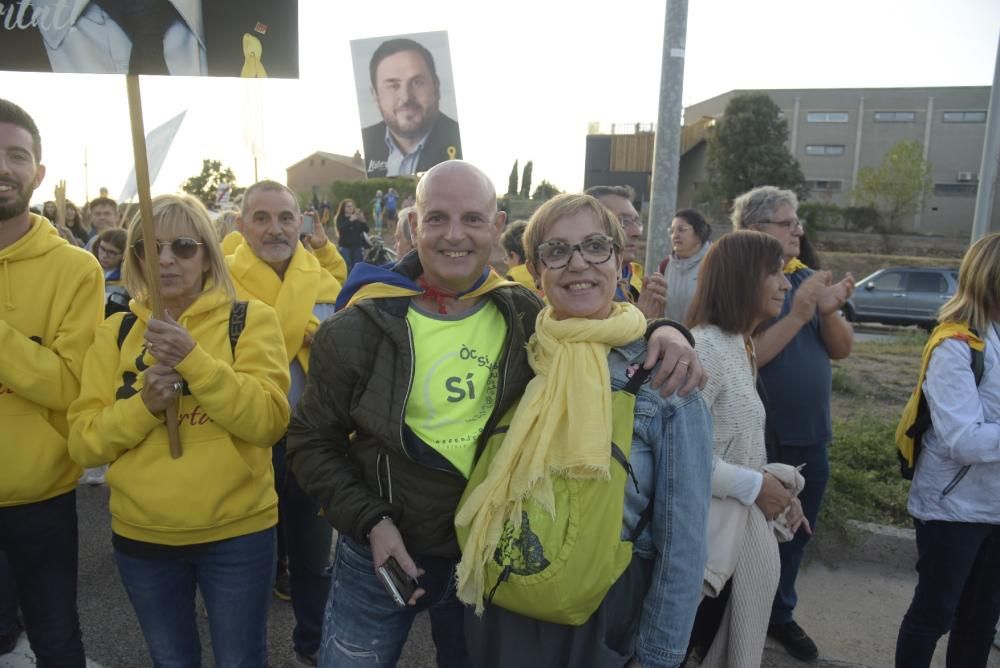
x=385 y=369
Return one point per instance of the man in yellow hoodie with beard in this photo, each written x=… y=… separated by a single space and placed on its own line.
x=273 y=266
x=51 y=302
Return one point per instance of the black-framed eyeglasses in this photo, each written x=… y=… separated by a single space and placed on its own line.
x=181 y=247
x=596 y=249
x=789 y=224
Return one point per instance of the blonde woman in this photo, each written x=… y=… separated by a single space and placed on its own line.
x=955 y=495
x=207 y=519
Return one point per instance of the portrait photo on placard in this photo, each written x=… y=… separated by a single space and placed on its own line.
x=406 y=100
x=220 y=38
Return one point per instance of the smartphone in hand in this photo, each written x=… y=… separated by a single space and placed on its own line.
x=395 y=580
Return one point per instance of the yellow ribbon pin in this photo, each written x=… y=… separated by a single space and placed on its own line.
x=252 y=66
x=452 y=152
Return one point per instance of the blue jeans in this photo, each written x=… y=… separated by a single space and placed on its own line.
x=352 y=255
x=364 y=627
x=234 y=577
x=40 y=541
x=816 y=474
x=307 y=536
x=958 y=590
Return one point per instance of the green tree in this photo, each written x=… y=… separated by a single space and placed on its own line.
x=747 y=149
x=205 y=186
x=544 y=191
x=898 y=187
x=512 y=181
x=526 y=180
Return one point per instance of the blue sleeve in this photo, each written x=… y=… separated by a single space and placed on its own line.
x=682 y=489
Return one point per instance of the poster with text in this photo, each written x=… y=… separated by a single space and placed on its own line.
x=406 y=98
x=224 y=38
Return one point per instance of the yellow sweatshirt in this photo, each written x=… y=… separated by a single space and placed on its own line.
x=305 y=284
x=51 y=301
x=328 y=255
x=231 y=413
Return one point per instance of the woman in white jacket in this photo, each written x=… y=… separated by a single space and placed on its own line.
x=955 y=495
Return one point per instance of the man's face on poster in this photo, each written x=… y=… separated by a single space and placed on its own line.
x=407 y=94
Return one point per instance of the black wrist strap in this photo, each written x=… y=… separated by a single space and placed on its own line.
x=653 y=325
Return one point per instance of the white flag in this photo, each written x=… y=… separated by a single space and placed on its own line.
x=158 y=142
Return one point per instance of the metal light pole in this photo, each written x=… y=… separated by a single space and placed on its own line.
x=667 y=158
x=991 y=156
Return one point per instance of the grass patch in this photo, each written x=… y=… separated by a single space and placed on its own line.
x=864 y=482
x=870 y=389
x=845 y=383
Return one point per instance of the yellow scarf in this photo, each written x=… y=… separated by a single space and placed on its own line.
x=305 y=284
x=944 y=331
x=794 y=265
x=562 y=427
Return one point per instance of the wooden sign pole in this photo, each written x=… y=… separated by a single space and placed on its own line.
x=151 y=265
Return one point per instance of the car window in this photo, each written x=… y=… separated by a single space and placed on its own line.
x=926 y=281
x=890 y=280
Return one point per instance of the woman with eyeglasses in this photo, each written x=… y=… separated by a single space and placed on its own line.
x=205 y=520
x=586 y=345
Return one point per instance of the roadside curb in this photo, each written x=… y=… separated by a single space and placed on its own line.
x=868 y=542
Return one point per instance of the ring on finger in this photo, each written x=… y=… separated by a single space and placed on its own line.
x=177 y=387
x=684 y=362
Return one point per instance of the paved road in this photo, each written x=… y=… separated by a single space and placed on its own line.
x=851 y=607
x=111 y=633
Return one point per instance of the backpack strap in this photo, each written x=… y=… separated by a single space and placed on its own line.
x=125 y=327
x=237 y=321
x=637 y=379
x=632 y=387
x=922 y=420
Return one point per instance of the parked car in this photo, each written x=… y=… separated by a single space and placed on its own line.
x=902 y=296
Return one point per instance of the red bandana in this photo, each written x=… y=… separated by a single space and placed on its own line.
x=435 y=294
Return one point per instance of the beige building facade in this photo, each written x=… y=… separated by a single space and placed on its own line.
x=834 y=133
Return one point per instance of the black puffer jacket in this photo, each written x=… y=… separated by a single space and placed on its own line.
x=360 y=372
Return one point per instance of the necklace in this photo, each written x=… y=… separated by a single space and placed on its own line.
x=751 y=351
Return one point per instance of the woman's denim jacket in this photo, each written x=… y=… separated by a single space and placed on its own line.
x=672 y=460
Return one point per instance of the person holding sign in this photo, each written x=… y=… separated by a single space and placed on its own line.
x=53 y=295
x=205 y=519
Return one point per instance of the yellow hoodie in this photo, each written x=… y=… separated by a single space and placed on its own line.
x=306 y=283
x=328 y=255
x=231 y=413
x=51 y=301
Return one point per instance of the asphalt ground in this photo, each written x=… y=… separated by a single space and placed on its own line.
x=850 y=603
x=111 y=634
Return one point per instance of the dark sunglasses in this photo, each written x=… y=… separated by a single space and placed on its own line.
x=181 y=247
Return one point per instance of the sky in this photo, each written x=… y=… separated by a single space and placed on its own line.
x=529 y=78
